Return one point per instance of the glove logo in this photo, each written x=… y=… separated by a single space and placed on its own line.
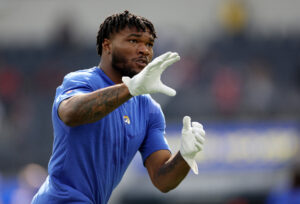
x=126 y=119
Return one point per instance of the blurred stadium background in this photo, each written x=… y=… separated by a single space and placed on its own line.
x=239 y=75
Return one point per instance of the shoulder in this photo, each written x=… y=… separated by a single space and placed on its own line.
x=84 y=77
x=83 y=74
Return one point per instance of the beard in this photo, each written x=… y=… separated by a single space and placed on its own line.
x=121 y=65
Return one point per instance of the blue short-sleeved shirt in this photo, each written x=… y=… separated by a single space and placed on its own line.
x=88 y=161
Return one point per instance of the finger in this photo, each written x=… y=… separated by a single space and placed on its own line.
x=186 y=122
x=167 y=90
x=163 y=64
x=200 y=139
x=173 y=54
x=196 y=124
x=156 y=63
x=170 y=60
x=199 y=131
x=198 y=146
x=163 y=61
x=163 y=57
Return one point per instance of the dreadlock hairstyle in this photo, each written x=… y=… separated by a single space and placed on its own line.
x=118 y=22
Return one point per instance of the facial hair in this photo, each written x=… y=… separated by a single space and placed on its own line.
x=121 y=65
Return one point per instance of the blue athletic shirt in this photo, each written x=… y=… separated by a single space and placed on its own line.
x=88 y=161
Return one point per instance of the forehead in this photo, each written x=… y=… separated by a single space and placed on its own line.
x=133 y=31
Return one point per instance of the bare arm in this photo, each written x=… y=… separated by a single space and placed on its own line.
x=166 y=171
x=91 y=107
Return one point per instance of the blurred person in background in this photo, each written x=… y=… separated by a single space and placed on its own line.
x=103 y=115
x=29 y=179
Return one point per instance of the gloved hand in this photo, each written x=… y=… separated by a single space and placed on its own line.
x=148 y=80
x=191 y=142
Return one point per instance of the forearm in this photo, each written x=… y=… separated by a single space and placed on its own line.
x=170 y=174
x=91 y=107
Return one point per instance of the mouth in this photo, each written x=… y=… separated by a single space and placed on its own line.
x=141 y=62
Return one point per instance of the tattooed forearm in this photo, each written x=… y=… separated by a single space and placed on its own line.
x=169 y=166
x=98 y=105
x=171 y=173
x=91 y=107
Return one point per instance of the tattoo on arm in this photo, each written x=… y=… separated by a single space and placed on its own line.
x=170 y=166
x=99 y=104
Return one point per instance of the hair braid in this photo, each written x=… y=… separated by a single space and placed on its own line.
x=118 y=22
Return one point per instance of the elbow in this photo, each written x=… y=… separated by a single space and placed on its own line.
x=68 y=117
x=164 y=188
x=164 y=183
x=69 y=122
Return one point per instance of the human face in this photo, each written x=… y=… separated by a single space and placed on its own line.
x=131 y=51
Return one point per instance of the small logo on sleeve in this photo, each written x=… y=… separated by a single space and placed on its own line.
x=70 y=91
x=126 y=119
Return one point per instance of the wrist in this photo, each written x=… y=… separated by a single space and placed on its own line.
x=128 y=90
x=126 y=81
x=191 y=162
x=189 y=158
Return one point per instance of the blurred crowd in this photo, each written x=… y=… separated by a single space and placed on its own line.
x=237 y=75
x=240 y=77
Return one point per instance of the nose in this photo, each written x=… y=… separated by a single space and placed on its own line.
x=143 y=49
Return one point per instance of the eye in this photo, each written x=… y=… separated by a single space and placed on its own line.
x=133 y=41
x=150 y=45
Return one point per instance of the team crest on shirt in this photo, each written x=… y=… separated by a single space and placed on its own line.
x=126 y=119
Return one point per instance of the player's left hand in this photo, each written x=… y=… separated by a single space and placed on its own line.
x=148 y=80
x=192 y=141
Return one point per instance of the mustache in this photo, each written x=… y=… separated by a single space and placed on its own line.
x=142 y=59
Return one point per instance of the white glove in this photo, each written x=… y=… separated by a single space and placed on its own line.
x=191 y=142
x=148 y=80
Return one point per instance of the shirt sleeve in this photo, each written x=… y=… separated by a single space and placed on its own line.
x=74 y=84
x=155 y=137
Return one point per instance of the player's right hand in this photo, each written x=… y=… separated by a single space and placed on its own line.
x=148 y=80
x=192 y=141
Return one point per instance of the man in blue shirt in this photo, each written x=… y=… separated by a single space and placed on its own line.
x=103 y=115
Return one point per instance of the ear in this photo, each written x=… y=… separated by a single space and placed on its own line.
x=106 y=46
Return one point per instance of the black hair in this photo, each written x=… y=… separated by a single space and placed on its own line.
x=118 y=22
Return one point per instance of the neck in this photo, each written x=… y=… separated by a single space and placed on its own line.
x=113 y=74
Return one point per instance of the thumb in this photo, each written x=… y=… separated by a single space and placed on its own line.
x=126 y=80
x=186 y=122
x=167 y=90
